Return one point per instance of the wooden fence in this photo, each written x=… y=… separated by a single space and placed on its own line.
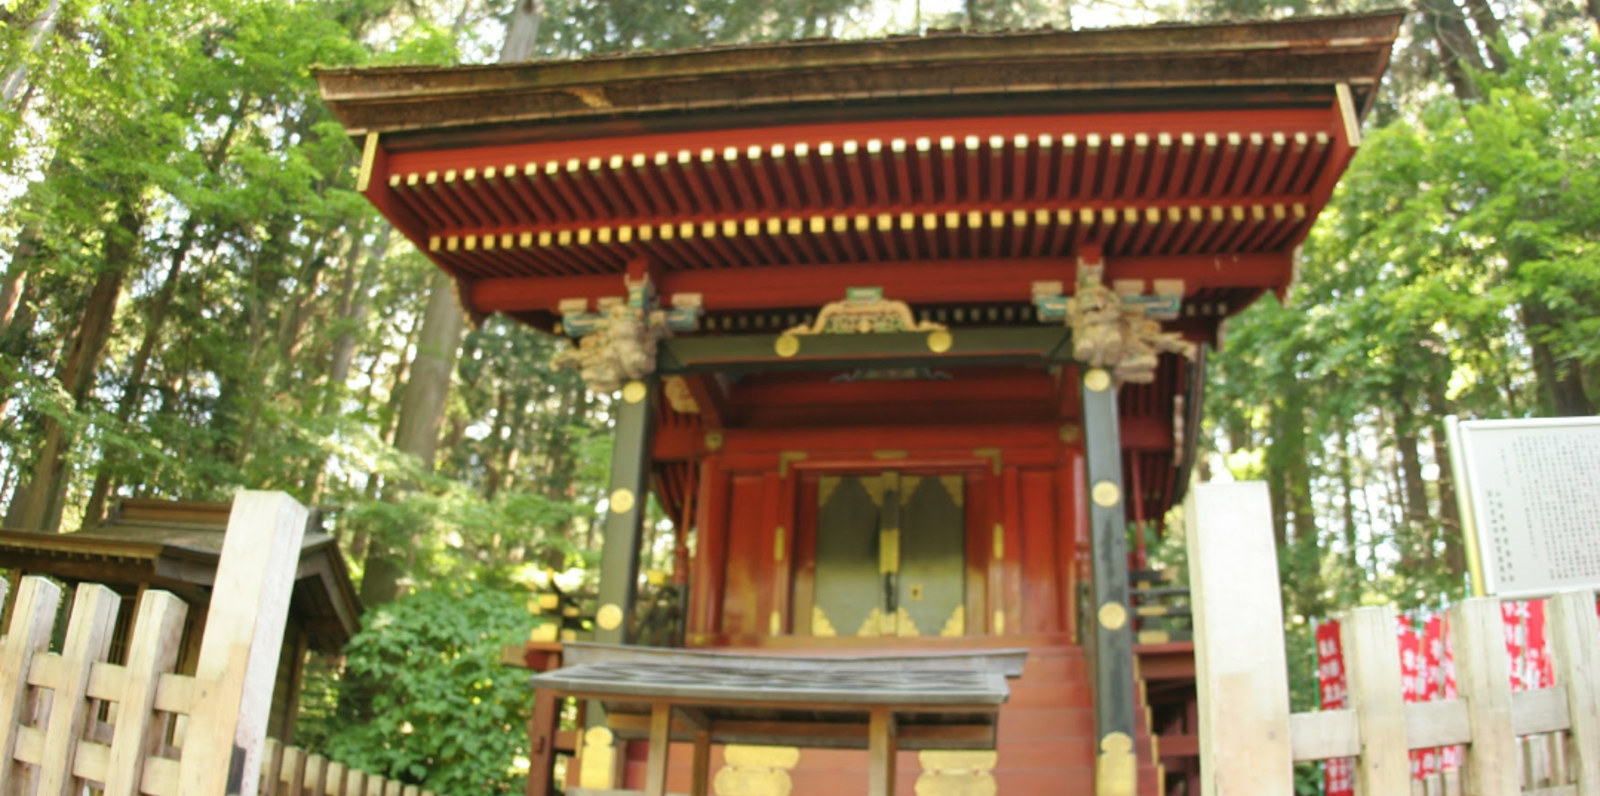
x=71 y=721
x=1544 y=742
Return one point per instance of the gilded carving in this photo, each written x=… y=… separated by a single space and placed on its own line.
x=618 y=341
x=957 y=773
x=599 y=759
x=679 y=396
x=825 y=487
x=820 y=626
x=955 y=488
x=1116 y=327
x=957 y=624
x=864 y=310
x=756 y=771
x=1115 y=766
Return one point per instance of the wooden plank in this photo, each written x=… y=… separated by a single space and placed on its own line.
x=1242 y=671
x=334 y=781
x=1575 y=640
x=1322 y=735
x=1372 y=664
x=32 y=618
x=239 y=654
x=94 y=617
x=882 y=749
x=1430 y=725
x=1483 y=680
x=655 y=768
x=158 y=631
x=1540 y=711
x=700 y=778
x=316 y=776
x=160 y=777
x=271 y=762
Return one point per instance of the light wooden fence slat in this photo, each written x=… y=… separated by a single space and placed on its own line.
x=239 y=653
x=1539 y=711
x=1483 y=680
x=333 y=785
x=153 y=652
x=1323 y=735
x=32 y=618
x=1241 y=667
x=316 y=775
x=271 y=767
x=1576 y=647
x=1372 y=669
x=1430 y=725
x=94 y=617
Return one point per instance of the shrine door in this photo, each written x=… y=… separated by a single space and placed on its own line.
x=889 y=557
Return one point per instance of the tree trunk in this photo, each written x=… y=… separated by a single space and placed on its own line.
x=1455 y=554
x=522 y=31
x=133 y=389
x=1457 y=48
x=1352 y=533
x=1560 y=378
x=37 y=503
x=1489 y=30
x=42 y=27
x=422 y=408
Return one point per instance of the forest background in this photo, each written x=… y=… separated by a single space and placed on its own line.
x=193 y=300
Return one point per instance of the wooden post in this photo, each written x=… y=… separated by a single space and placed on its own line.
x=1477 y=637
x=630 y=484
x=543 y=726
x=153 y=652
x=700 y=781
x=1372 y=666
x=1575 y=640
x=883 y=747
x=33 y=617
x=1114 y=698
x=1240 y=666
x=94 y=616
x=239 y=655
x=655 y=767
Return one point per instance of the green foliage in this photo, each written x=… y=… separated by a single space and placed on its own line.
x=444 y=713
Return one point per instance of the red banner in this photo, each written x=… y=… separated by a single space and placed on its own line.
x=1339 y=774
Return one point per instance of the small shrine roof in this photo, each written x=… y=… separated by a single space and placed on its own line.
x=175 y=545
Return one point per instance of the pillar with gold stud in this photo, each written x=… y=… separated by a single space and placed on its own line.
x=1112 y=641
x=624 y=518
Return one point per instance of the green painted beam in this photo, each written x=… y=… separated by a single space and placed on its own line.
x=620 y=532
x=1042 y=345
x=1110 y=617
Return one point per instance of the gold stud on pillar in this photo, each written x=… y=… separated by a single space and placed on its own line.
x=1106 y=494
x=634 y=391
x=1097 y=380
x=1115 y=768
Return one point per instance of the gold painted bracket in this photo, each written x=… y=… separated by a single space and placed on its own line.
x=787 y=458
x=369 y=157
x=992 y=454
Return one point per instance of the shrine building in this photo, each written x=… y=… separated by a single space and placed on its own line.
x=910 y=332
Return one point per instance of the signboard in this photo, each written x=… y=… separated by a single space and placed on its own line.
x=1529 y=492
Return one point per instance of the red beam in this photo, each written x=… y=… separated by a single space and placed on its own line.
x=959 y=281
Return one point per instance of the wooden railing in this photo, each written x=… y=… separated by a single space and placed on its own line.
x=72 y=721
x=289 y=771
x=1249 y=740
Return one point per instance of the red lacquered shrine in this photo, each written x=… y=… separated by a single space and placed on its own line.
x=910 y=332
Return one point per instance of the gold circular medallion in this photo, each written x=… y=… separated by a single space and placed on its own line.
x=633 y=392
x=1116 y=742
x=787 y=346
x=621 y=501
x=609 y=617
x=597 y=736
x=940 y=341
x=1106 y=494
x=1113 y=616
x=1097 y=380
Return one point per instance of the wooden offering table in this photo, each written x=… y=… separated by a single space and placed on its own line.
x=879 y=703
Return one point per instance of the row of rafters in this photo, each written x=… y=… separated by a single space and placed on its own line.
x=840 y=238
x=1166 y=159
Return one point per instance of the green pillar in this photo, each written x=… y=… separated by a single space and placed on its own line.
x=630 y=490
x=1116 y=769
